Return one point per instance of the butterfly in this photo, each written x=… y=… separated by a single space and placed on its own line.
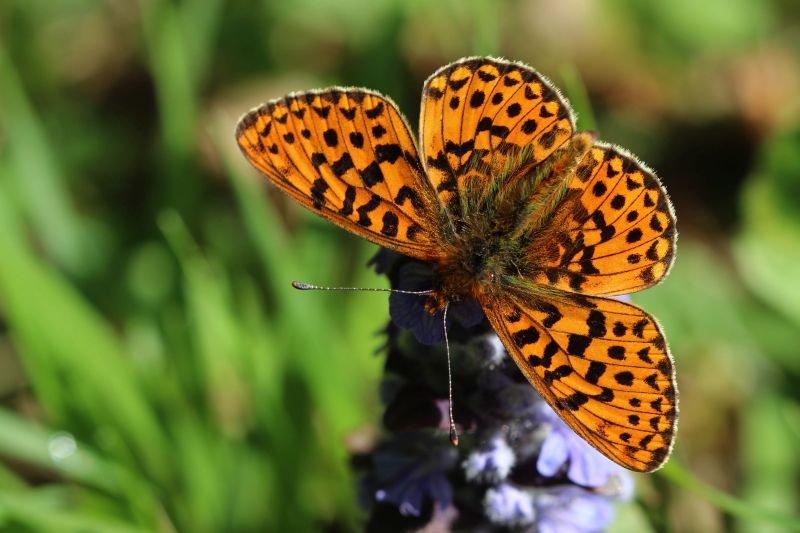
x=512 y=207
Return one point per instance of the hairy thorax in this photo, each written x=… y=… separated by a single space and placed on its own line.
x=504 y=231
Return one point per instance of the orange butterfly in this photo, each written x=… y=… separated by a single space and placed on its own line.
x=513 y=208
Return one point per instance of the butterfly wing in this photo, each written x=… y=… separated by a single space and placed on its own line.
x=477 y=111
x=614 y=232
x=602 y=364
x=347 y=155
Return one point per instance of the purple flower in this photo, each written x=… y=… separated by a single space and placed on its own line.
x=408 y=310
x=507 y=505
x=528 y=468
x=562 y=446
x=491 y=462
x=495 y=353
x=383 y=260
x=570 y=509
x=412 y=469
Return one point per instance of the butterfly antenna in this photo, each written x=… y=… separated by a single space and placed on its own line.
x=453 y=431
x=309 y=287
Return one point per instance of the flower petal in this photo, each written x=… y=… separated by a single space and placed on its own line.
x=553 y=454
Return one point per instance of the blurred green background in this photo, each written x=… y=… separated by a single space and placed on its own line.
x=157 y=371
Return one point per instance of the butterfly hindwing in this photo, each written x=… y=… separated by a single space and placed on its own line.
x=478 y=111
x=346 y=154
x=603 y=365
x=614 y=232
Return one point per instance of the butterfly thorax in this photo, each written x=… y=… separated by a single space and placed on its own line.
x=488 y=249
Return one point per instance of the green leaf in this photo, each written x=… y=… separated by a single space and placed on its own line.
x=75 y=362
x=684 y=479
x=767 y=251
x=34 y=175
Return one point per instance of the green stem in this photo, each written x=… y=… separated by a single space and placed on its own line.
x=681 y=477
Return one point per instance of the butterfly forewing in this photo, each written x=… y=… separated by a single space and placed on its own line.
x=346 y=154
x=477 y=112
x=603 y=365
x=615 y=231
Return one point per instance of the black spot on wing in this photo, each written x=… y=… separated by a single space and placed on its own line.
x=375 y=112
x=477 y=98
x=318 y=159
x=513 y=110
x=561 y=372
x=499 y=131
x=372 y=174
x=378 y=131
x=526 y=336
x=655 y=224
x=599 y=188
x=457 y=84
x=595 y=371
x=459 y=149
x=548 y=138
x=596 y=323
x=322 y=112
x=364 y=210
x=357 y=139
x=390 y=223
x=407 y=193
x=331 y=138
x=553 y=314
x=616 y=352
x=577 y=344
x=574 y=401
x=484 y=124
x=342 y=165
x=514 y=316
x=606 y=396
x=318 y=189
x=387 y=152
x=529 y=94
x=349 y=198
x=634 y=235
x=624 y=378
x=529 y=126
x=435 y=93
